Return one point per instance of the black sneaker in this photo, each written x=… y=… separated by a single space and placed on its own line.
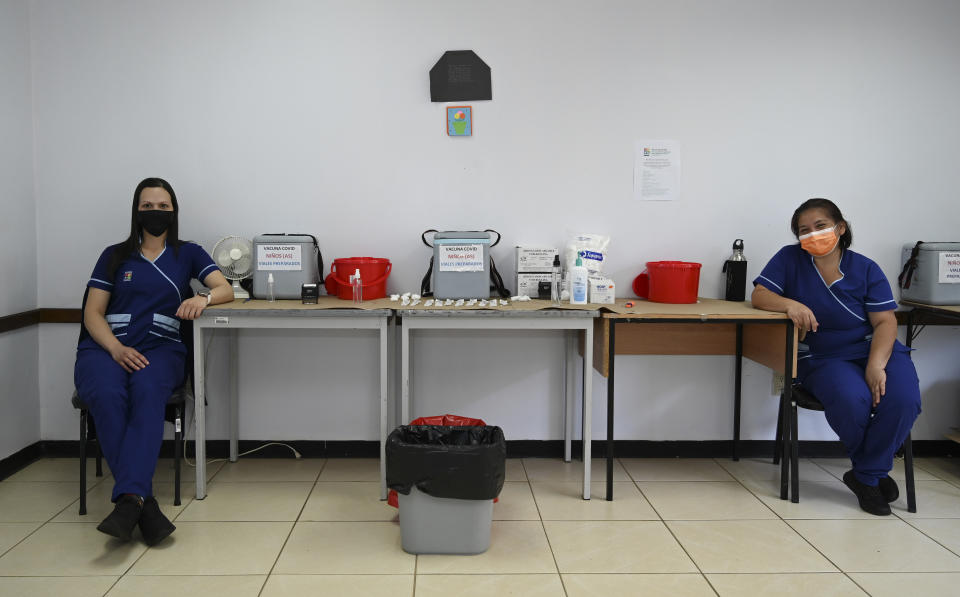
x=870 y=498
x=125 y=515
x=154 y=526
x=889 y=490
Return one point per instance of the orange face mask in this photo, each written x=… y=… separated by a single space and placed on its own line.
x=821 y=242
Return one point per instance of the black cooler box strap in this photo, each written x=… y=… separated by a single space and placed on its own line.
x=906 y=275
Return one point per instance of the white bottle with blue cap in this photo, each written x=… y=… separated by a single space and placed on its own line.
x=578 y=283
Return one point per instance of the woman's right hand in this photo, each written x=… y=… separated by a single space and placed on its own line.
x=129 y=358
x=802 y=317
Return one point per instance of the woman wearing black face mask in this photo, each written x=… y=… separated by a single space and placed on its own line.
x=131 y=356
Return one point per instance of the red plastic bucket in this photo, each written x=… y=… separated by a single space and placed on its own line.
x=373 y=277
x=669 y=282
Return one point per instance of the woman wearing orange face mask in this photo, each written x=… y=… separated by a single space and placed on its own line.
x=849 y=356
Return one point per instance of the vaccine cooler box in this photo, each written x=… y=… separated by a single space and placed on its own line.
x=291 y=258
x=935 y=278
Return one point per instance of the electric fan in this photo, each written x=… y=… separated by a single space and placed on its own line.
x=234 y=255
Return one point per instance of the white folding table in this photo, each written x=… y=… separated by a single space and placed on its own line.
x=282 y=314
x=524 y=317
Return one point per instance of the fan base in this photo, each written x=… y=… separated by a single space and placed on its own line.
x=238 y=291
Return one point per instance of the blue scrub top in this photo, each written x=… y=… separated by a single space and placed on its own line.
x=841 y=308
x=145 y=295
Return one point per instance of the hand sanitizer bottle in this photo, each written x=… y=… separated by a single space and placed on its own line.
x=555 y=281
x=271 y=291
x=357 y=286
x=578 y=283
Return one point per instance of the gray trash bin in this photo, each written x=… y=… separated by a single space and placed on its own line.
x=446 y=479
x=444 y=525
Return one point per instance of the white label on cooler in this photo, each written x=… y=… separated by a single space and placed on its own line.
x=280 y=257
x=949 y=267
x=461 y=258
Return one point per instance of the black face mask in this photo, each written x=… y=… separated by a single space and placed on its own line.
x=155 y=221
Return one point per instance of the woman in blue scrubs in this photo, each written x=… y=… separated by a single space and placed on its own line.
x=849 y=356
x=132 y=357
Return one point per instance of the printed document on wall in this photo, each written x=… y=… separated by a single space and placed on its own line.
x=656 y=172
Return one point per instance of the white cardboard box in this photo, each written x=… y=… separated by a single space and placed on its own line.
x=528 y=283
x=536 y=259
x=601 y=291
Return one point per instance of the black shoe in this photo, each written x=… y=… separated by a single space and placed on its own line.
x=871 y=498
x=154 y=526
x=125 y=515
x=889 y=490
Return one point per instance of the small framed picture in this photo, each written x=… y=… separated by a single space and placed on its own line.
x=459 y=121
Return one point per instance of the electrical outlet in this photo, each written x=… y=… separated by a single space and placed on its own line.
x=777 y=384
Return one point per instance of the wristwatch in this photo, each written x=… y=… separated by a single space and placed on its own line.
x=207 y=294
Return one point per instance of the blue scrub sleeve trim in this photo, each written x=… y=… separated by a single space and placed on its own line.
x=883 y=306
x=100 y=284
x=776 y=288
x=201 y=275
x=100 y=277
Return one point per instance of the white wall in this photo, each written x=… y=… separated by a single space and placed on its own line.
x=308 y=116
x=19 y=398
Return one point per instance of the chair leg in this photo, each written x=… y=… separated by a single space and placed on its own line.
x=177 y=439
x=783 y=449
x=99 y=458
x=794 y=456
x=90 y=424
x=777 y=442
x=908 y=469
x=83 y=463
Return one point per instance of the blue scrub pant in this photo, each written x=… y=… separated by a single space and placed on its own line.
x=871 y=442
x=128 y=410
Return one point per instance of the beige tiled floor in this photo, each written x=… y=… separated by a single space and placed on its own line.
x=317 y=527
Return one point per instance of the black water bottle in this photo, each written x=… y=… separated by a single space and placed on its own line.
x=736 y=270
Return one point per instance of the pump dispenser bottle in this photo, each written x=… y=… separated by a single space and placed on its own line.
x=578 y=283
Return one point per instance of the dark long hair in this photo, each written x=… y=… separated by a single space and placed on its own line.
x=846 y=239
x=131 y=246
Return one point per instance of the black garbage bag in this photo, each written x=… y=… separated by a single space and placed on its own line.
x=467 y=463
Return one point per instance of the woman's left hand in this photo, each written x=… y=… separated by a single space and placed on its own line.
x=192 y=308
x=876 y=378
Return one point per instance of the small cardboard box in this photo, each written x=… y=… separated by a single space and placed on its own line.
x=528 y=284
x=601 y=291
x=534 y=265
x=535 y=259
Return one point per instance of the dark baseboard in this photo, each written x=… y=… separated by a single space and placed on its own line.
x=515 y=449
x=22 y=458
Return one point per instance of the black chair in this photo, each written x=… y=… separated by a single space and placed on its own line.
x=175 y=409
x=803 y=398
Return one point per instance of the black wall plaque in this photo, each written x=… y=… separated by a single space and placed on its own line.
x=460 y=75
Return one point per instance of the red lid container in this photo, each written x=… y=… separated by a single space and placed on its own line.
x=669 y=282
x=373 y=277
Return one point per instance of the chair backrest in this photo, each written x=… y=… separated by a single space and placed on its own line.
x=83 y=309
